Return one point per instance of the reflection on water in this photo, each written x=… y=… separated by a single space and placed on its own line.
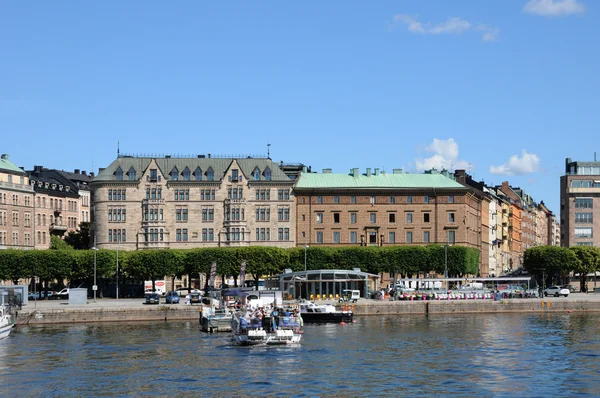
x=496 y=355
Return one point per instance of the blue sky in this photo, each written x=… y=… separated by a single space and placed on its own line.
x=332 y=84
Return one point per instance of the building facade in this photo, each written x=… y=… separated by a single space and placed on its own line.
x=16 y=207
x=579 y=196
x=58 y=203
x=146 y=203
x=379 y=209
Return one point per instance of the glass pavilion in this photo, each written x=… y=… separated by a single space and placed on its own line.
x=327 y=283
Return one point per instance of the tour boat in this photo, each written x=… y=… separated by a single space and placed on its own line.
x=251 y=330
x=312 y=312
x=6 y=322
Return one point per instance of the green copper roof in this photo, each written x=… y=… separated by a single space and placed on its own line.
x=9 y=166
x=330 y=180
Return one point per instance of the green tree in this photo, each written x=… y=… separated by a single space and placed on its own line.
x=80 y=239
x=589 y=262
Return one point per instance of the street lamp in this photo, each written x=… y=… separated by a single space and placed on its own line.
x=305 y=247
x=95 y=287
x=118 y=243
x=446 y=263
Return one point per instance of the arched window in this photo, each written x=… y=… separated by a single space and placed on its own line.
x=268 y=174
x=119 y=174
x=210 y=175
x=131 y=174
x=256 y=174
x=198 y=174
x=186 y=174
x=175 y=174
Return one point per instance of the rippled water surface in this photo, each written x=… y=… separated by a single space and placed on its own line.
x=480 y=355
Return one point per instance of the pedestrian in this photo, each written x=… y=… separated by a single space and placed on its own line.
x=188 y=299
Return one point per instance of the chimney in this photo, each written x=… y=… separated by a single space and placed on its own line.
x=327 y=171
x=304 y=169
x=461 y=176
x=5 y=156
x=368 y=172
x=84 y=172
x=397 y=171
x=101 y=169
x=167 y=156
x=209 y=155
x=376 y=172
x=38 y=169
x=92 y=174
x=76 y=171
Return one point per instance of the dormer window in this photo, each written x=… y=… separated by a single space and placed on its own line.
x=175 y=174
x=67 y=188
x=119 y=174
x=256 y=174
x=60 y=187
x=53 y=186
x=198 y=174
x=186 y=174
x=210 y=174
x=268 y=174
x=131 y=174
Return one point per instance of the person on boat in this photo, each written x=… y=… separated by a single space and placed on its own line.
x=299 y=319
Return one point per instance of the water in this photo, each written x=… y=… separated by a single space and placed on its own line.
x=521 y=355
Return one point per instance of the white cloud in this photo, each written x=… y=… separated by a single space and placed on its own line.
x=445 y=155
x=451 y=25
x=554 y=7
x=525 y=164
x=489 y=33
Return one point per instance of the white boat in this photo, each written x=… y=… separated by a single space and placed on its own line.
x=6 y=322
x=215 y=320
x=312 y=312
x=280 y=330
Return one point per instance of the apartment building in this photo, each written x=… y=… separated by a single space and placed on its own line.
x=16 y=207
x=57 y=204
x=579 y=196
x=200 y=201
x=377 y=208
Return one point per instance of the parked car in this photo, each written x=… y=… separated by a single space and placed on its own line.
x=153 y=298
x=183 y=291
x=556 y=291
x=571 y=288
x=172 y=298
x=33 y=296
x=195 y=298
x=63 y=294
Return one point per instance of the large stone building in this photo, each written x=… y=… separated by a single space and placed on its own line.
x=61 y=202
x=579 y=196
x=16 y=207
x=385 y=209
x=203 y=201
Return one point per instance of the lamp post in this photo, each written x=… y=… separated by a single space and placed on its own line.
x=118 y=243
x=305 y=247
x=95 y=287
x=446 y=263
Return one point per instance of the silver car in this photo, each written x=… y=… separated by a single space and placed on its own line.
x=556 y=291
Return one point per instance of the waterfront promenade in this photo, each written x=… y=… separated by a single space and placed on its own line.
x=127 y=310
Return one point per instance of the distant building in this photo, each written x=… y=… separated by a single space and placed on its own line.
x=16 y=207
x=62 y=202
x=579 y=196
x=381 y=209
x=203 y=201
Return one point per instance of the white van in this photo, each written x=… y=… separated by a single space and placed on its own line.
x=350 y=295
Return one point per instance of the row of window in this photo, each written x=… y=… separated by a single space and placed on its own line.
x=117 y=235
x=153 y=214
x=182 y=194
x=372 y=237
x=117 y=215
x=187 y=174
x=584 y=203
x=583 y=232
x=235 y=193
x=585 y=184
x=10 y=179
x=154 y=193
x=374 y=199
x=117 y=194
x=584 y=218
x=373 y=217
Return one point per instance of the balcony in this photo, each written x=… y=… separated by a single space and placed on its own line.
x=58 y=227
x=235 y=201
x=153 y=202
x=57 y=210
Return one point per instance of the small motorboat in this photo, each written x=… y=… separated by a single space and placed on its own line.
x=312 y=312
x=6 y=321
x=249 y=329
